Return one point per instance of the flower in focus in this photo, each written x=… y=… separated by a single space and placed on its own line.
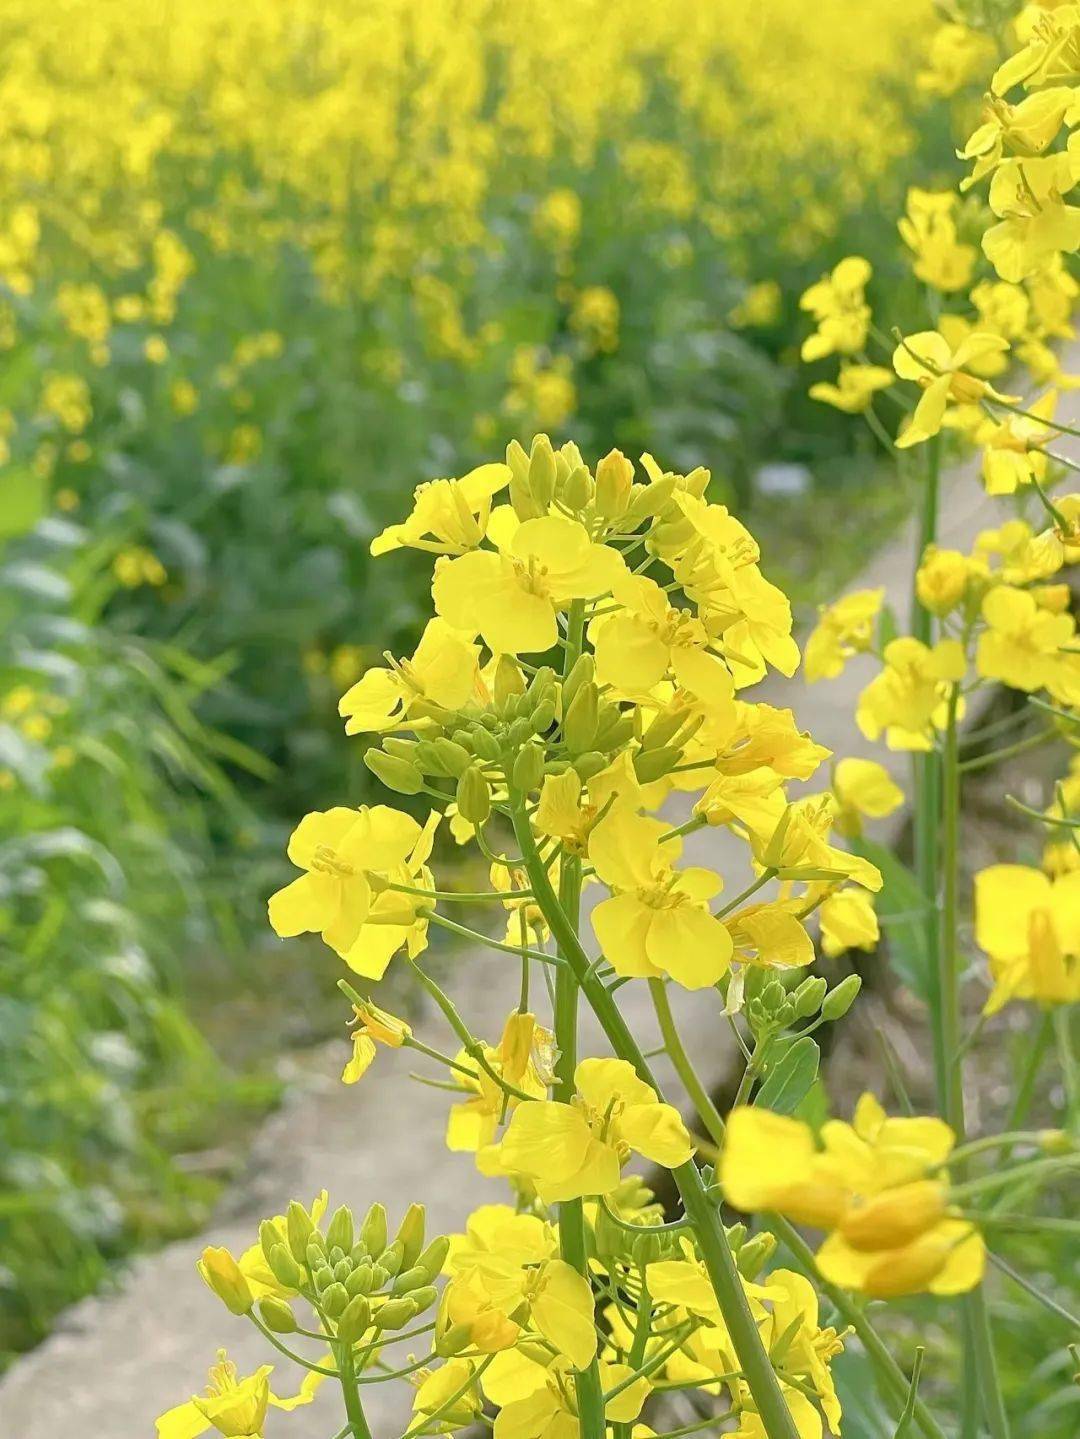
x=373 y=1026
x=577 y=1149
x=449 y=517
x=943 y=373
x=443 y=671
x=233 y=1406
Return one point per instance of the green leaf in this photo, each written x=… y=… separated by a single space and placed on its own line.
x=789 y=1080
x=24 y=498
x=901 y=908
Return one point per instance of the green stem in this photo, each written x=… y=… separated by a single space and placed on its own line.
x=727 y=1284
x=354 y=1409
x=638 y=1344
x=699 y=1095
x=475 y=934
x=889 y=1372
x=979 y=1359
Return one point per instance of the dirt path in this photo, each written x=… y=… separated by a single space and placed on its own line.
x=117 y=1360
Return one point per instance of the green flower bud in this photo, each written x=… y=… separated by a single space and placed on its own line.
x=269 y=1237
x=521 y=499
x=453 y=1340
x=315 y=1254
x=484 y=744
x=359 y=1281
x=655 y=763
x=576 y=491
x=339 y=1232
x=663 y=729
x=336 y=1255
x=379 y=1276
x=342 y=1270
x=773 y=996
x=542 y=717
x=590 y=763
x=808 y=996
x=517 y=460
x=284 y=1267
x=839 y=1000
x=474 y=796
x=414 y=1278
x=410 y=1235
x=434 y=1257
x=529 y=768
x=373 y=1230
x=519 y=731
x=401 y=748
x=453 y=757
x=300 y=1227
x=400 y=775
x=424 y=1298
x=323 y=1278
x=395 y=1313
x=650 y=500
x=391 y=1258
x=583 y=673
x=354 y=1320
x=755 y=1254
x=277 y=1315
x=334 y=1299
x=542 y=473
x=579 y=720
x=614 y=730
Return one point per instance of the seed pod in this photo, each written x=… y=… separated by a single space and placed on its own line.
x=579 y=720
x=299 y=1227
x=839 y=1000
x=277 y=1315
x=474 y=796
x=542 y=473
x=354 y=1320
x=528 y=768
x=334 y=1299
x=284 y=1267
x=400 y=775
x=373 y=1230
x=339 y=1232
x=395 y=1313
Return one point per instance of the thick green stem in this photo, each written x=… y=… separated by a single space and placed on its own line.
x=727 y=1285
x=699 y=1095
x=354 y=1409
x=979 y=1357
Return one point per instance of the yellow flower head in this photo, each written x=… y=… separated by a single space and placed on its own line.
x=449 y=517
x=373 y=1026
x=863 y=788
x=838 y=304
x=1029 y=925
x=908 y=699
x=572 y=1150
x=1022 y=640
x=945 y=376
x=844 y=629
x=855 y=388
x=232 y=1406
x=443 y=672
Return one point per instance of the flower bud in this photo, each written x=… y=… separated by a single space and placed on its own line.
x=315 y=1253
x=614 y=478
x=590 y=763
x=452 y=1340
x=225 y=1277
x=269 y=1237
x=409 y=1279
x=542 y=473
x=474 y=796
x=577 y=489
x=339 y=1232
x=424 y=1298
x=359 y=1281
x=583 y=672
x=528 y=768
x=322 y=1278
x=543 y=716
x=807 y=998
x=400 y=748
x=334 y=1299
x=410 y=1235
x=299 y=1227
x=379 y=1276
x=373 y=1230
x=277 y=1315
x=579 y=720
x=354 y=1320
x=394 y=1314
x=509 y=681
x=614 y=729
x=653 y=764
x=650 y=500
x=755 y=1254
x=284 y=1267
x=517 y=460
x=434 y=1257
x=483 y=744
x=520 y=731
x=839 y=1000
x=400 y=775
x=454 y=758
x=342 y=1270
x=391 y=1258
